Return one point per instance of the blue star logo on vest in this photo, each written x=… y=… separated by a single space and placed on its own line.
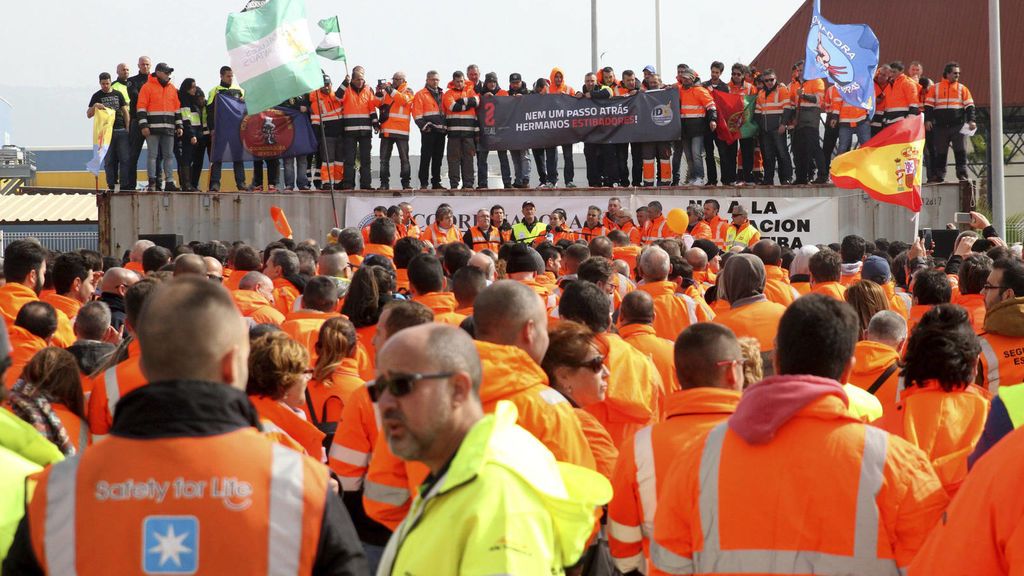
x=170 y=544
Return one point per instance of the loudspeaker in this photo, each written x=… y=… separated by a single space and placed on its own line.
x=169 y=241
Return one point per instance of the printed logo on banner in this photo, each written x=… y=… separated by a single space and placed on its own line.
x=662 y=115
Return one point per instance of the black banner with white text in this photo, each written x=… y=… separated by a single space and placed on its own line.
x=546 y=120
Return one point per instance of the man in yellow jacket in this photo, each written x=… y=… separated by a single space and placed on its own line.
x=496 y=501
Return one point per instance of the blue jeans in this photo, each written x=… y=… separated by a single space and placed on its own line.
x=295 y=172
x=863 y=132
x=521 y=165
x=118 y=160
x=155 y=144
x=238 y=168
x=693 y=150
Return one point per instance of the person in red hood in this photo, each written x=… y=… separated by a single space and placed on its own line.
x=791 y=479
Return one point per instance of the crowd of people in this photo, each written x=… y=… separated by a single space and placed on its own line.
x=800 y=127
x=515 y=400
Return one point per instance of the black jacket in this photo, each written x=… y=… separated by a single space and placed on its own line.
x=91 y=354
x=178 y=409
x=117 y=310
x=135 y=84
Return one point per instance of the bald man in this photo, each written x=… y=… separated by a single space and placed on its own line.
x=512 y=337
x=673 y=311
x=135 y=256
x=116 y=281
x=636 y=326
x=486 y=265
x=214 y=269
x=193 y=422
x=189 y=264
x=255 y=299
x=439 y=422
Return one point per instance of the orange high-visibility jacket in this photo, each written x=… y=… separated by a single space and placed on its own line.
x=276 y=417
x=443 y=304
x=271 y=499
x=719 y=228
x=13 y=296
x=285 y=295
x=901 y=98
x=982 y=531
x=253 y=305
x=830 y=289
x=354 y=440
x=764 y=508
x=643 y=465
x=634 y=389
x=460 y=111
x=945 y=425
x=758 y=319
x=655 y=229
x=69 y=306
x=397 y=124
x=304 y=327
x=380 y=250
x=660 y=351
x=426 y=109
x=480 y=241
x=672 y=312
x=872 y=359
x=329 y=397
x=601 y=444
x=899 y=302
x=77 y=427
x=628 y=254
x=777 y=287
x=975 y=306
x=436 y=236
x=24 y=345
x=589 y=233
x=695 y=102
x=110 y=386
x=358 y=111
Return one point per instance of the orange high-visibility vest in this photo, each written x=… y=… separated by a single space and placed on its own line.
x=397 y=124
x=354 y=440
x=490 y=241
x=329 y=397
x=461 y=123
x=24 y=345
x=110 y=386
x=436 y=236
x=655 y=229
x=168 y=503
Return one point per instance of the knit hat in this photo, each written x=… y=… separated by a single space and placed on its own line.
x=491 y=77
x=708 y=247
x=876 y=269
x=523 y=258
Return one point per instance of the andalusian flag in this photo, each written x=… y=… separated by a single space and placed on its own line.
x=102 y=128
x=887 y=167
x=272 y=54
x=330 y=47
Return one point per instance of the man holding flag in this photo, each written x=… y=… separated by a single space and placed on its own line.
x=109 y=110
x=888 y=168
x=738 y=85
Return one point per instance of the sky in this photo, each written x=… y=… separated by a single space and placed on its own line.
x=62 y=46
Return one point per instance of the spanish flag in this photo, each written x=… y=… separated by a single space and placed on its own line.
x=887 y=167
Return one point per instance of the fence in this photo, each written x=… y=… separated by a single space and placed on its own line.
x=59 y=241
x=1015 y=231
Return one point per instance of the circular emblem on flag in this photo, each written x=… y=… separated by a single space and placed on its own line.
x=662 y=115
x=267 y=134
x=366 y=221
x=735 y=121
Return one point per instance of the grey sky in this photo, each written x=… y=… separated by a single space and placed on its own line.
x=55 y=50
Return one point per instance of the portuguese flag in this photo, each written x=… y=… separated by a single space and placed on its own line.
x=887 y=167
x=735 y=116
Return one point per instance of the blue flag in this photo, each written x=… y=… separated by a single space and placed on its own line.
x=273 y=133
x=846 y=54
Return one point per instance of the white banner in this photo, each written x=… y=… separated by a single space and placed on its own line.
x=792 y=222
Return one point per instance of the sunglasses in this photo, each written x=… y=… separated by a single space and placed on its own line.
x=399 y=385
x=595 y=364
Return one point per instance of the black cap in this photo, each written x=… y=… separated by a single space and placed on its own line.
x=515 y=77
x=523 y=258
x=491 y=77
x=529 y=203
x=708 y=247
x=163 y=67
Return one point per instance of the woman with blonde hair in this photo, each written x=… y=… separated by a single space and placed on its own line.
x=277 y=388
x=336 y=373
x=49 y=397
x=867 y=299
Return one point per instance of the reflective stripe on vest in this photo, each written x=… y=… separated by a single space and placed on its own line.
x=59 y=545
x=113 y=391
x=1013 y=400
x=646 y=480
x=993 y=364
x=712 y=558
x=83 y=435
x=691 y=308
x=284 y=534
x=391 y=495
x=741 y=238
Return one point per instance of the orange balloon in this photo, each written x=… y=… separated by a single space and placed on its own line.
x=678 y=220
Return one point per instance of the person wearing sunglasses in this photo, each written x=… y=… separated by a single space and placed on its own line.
x=278 y=374
x=576 y=369
x=490 y=482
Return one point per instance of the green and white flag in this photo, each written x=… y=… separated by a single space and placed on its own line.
x=330 y=47
x=271 y=53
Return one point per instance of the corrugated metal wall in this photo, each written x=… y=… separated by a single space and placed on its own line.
x=246 y=217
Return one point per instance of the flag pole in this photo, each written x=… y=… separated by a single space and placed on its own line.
x=995 y=176
x=327 y=156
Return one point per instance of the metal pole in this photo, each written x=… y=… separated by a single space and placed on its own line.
x=593 y=35
x=327 y=157
x=995 y=177
x=657 y=35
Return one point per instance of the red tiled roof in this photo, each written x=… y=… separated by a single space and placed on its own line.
x=933 y=32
